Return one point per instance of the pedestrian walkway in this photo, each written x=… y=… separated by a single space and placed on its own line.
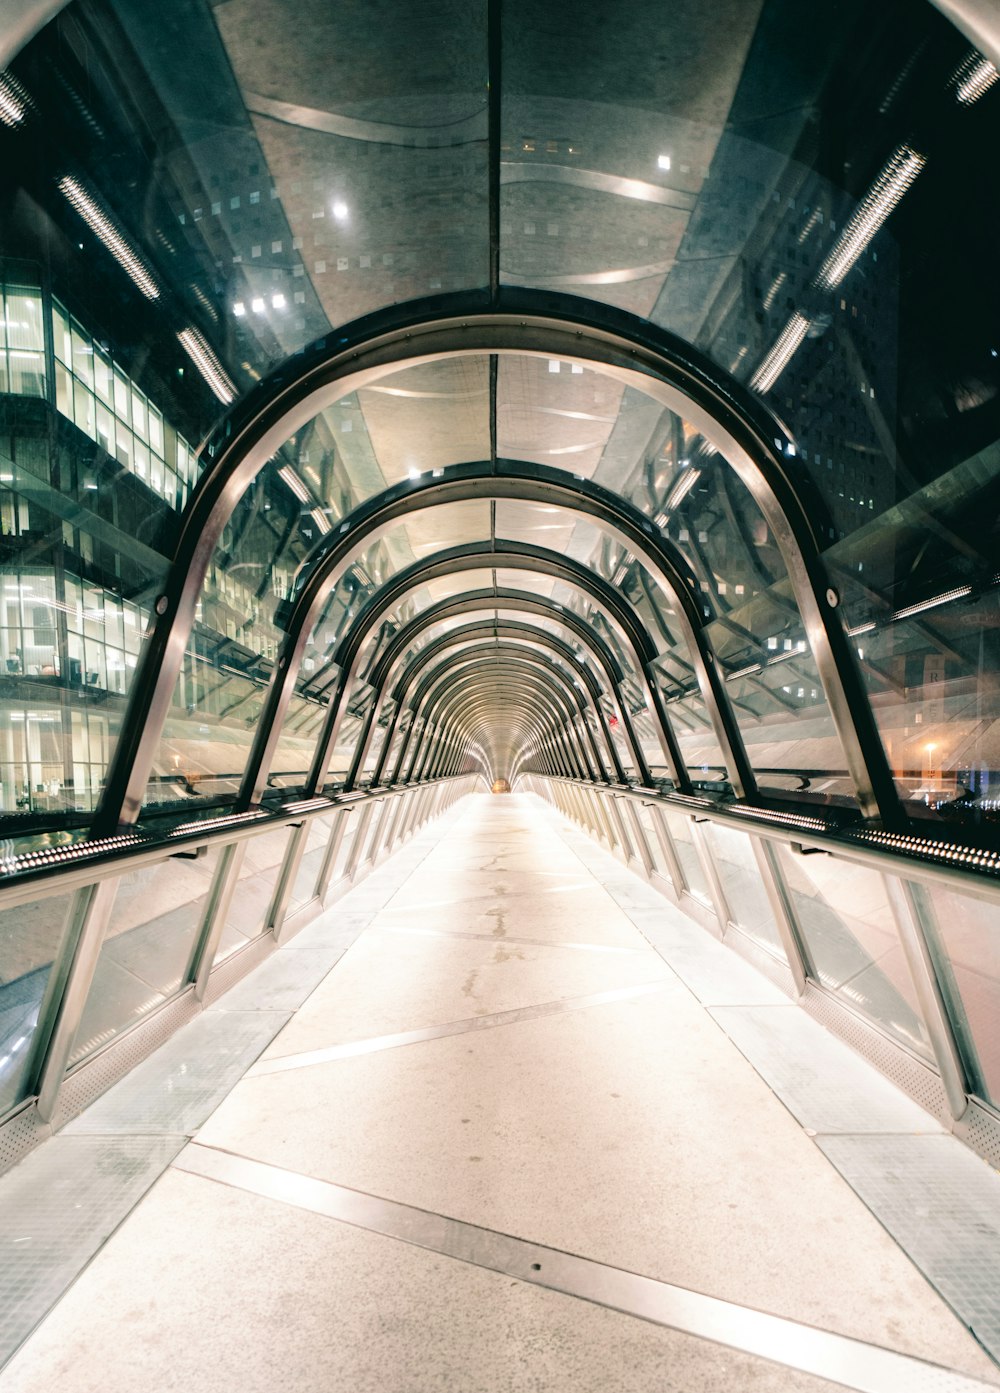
x=503 y=1145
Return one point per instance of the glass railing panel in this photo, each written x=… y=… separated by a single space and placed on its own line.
x=846 y=924
x=682 y=833
x=749 y=908
x=964 y=938
x=146 y=954
x=317 y=839
x=258 y=875
x=31 y=936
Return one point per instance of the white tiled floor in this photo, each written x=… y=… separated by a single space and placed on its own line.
x=632 y=1132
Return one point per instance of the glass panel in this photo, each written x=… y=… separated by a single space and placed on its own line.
x=687 y=854
x=963 y=938
x=318 y=838
x=850 y=936
x=31 y=936
x=147 y=948
x=258 y=875
x=746 y=897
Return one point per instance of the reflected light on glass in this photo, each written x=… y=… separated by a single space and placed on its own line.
x=197 y=349
x=663 y=161
x=288 y=475
x=784 y=349
x=321 y=522
x=681 y=489
x=14 y=100
x=104 y=229
x=239 y=309
x=340 y=210
x=959 y=593
x=973 y=77
x=892 y=182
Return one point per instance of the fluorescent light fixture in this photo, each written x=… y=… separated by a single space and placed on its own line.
x=783 y=350
x=959 y=593
x=362 y=576
x=974 y=76
x=14 y=100
x=682 y=488
x=661 y=520
x=861 y=629
x=294 y=483
x=619 y=575
x=892 y=182
x=257 y=305
x=239 y=309
x=663 y=161
x=413 y=472
x=340 y=210
x=278 y=301
x=104 y=229
x=743 y=672
x=554 y=365
x=321 y=522
x=197 y=349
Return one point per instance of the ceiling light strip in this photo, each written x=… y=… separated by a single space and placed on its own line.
x=104 y=229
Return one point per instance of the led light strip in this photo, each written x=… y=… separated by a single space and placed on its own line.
x=197 y=349
x=788 y=819
x=785 y=346
x=61 y=855
x=14 y=100
x=103 y=228
x=973 y=77
x=948 y=852
x=891 y=183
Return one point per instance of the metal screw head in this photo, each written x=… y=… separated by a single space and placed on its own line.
x=832 y=598
x=161 y=605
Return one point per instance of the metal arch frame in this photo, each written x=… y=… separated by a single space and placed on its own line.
x=528 y=692
x=523 y=718
x=506 y=661
x=515 y=480
x=468 y=557
x=490 y=676
x=478 y=651
x=748 y=435
x=487 y=600
x=510 y=632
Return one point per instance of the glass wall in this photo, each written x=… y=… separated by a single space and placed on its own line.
x=31 y=938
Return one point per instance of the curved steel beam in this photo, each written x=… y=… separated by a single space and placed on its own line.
x=483 y=650
x=521 y=708
x=497 y=662
x=527 y=604
x=470 y=633
x=516 y=691
x=541 y=323
x=501 y=479
x=471 y=557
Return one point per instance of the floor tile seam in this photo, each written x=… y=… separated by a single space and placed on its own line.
x=704 y=1310
x=468 y=1025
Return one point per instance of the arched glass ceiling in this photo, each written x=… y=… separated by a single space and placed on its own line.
x=797 y=196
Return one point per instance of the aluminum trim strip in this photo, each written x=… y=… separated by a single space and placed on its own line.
x=837 y=1358
x=436 y=1032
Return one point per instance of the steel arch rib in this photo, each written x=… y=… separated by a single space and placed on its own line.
x=749 y=437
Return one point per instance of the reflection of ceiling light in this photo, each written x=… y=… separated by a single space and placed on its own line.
x=340 y=210
x=974 y=76
x=102 y=226
x=239 y=309
x=320 y=521
x=413 y=472
x=554 y=365
x=891 y=183
x=959 y=593
x=682 y=488
x=278 y=301
x=257 y=305
x=294 y=483
x=781 y=354
x=663 y=161
x=14 y=100
x=197 y=349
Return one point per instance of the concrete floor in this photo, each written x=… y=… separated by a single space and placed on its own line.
x=629 y=1131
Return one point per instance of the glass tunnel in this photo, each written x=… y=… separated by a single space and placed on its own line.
x=565 y=414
